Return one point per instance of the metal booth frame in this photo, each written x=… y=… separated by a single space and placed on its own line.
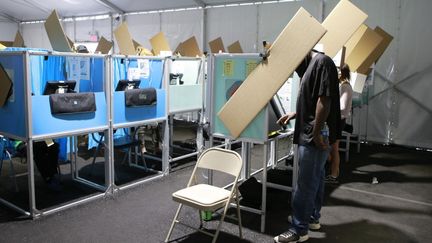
x=29 y=138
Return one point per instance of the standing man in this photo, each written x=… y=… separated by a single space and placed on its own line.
x=317 y=126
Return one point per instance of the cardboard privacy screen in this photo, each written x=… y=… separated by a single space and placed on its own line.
x=355 y=38
x=235 y=47
x=189 y=48
x=19 y=41
x=341 y=24
x=386 y=39
x=104 y=46
x=58 y=39
x=361 y=58
x=159 y=43
x=217 y=45
x=291 y=46
x=124 y=40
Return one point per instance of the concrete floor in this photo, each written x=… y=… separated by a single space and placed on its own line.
x=396 y=209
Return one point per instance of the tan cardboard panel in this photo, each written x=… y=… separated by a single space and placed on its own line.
x=6 y=43
x=216 y=45
x=297 y=38
x=71 y=43
x=190 y=48
x=341 y=24
x=5 y=84
x=387 y=38
x=159 y=43
x=178 y=49
x=136 y=44
x=58 y=39
x=19 y=41
x=355 y=38
x=104 y=46
x=361 y=57
x=235 y=47
x=377 y=52
x=141 y=51
x=124 y=40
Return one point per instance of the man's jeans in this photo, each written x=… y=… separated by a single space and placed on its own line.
x=309 y=194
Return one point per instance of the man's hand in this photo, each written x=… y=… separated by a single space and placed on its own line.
x=319 y=142
x=286 y=118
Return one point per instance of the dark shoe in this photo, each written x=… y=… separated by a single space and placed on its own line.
x=290 y=237
x=313 y=223
x=331 y=180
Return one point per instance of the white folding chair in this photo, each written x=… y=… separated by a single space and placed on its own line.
x=205 y=197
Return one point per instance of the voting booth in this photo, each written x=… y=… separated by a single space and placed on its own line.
x=186 y=105
x=139 y=105
x=54 y=95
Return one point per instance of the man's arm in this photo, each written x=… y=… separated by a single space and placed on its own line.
x=321 y=113
x=286 y=118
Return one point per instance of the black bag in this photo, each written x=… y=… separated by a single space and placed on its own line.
x=140 y=97
x=46 y=159
x=70 y=103
x=251 y=192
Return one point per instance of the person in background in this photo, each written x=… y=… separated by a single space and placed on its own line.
x=317 y=125
x=345 y=93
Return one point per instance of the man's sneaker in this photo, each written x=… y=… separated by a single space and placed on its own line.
x=331 y=179
x=290 y=237
x=313 y=223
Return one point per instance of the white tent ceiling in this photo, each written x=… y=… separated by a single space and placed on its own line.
x=28 y=10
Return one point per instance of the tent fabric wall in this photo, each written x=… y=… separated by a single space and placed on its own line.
x=35 y=36
x=179 y=26
x=8 y=30
x=272 y=20
x=397 y=109
x=232 y=24
x=143 y=27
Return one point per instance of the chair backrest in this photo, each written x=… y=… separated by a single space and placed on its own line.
x=223 y=160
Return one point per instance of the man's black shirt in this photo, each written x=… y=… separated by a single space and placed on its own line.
x=319 y=79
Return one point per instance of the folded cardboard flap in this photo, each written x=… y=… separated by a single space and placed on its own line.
x=58 y=39
x=72 y=103
x=5 y=86
x=140 y=97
